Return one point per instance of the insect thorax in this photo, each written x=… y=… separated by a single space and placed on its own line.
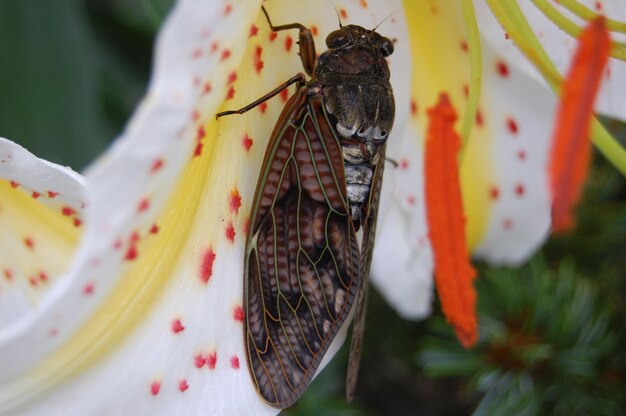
x=362 y=115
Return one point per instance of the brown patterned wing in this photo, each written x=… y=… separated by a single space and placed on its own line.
x=369 y=234
x=302 y=255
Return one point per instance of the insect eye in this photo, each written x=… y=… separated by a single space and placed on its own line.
x=386 y=47
x=337 y=39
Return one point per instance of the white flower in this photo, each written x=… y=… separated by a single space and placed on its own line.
x=142 y=312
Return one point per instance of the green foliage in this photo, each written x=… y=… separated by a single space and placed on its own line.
x=72 y=71
x=553 y=339
x=546 y=345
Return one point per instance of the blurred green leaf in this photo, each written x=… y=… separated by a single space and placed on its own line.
x=49 y=80
x=72 y=72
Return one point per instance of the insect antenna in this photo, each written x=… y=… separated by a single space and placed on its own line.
x=336 y=11
x=383 y=21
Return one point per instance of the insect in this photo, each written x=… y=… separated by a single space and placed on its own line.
x=313 y=218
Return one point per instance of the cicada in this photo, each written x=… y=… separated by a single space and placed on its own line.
x=313 y=218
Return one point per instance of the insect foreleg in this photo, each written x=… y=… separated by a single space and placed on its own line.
x=297 y=79
x=305 y=41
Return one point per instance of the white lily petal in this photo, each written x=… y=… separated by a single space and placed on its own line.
x=403 y=262
x=149 y=317
x=560 y=47
x=519 y=116
x=41 y=206
x=104 y=294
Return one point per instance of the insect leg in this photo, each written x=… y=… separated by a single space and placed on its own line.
x=298 y=78
x=305 y=41
x=392 y=161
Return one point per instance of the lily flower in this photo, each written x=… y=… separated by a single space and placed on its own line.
x=135 y=303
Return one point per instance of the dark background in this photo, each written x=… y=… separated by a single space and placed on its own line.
x=553 y=339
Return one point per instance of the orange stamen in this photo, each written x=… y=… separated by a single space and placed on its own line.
x=453 y=272
x=571 y=148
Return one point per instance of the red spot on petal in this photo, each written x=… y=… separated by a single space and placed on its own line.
x=231 y=93
x=68 y=211
x=199 y=361
x=521 y=155
x=234 y=201
x=273 y=36
x=254 y=30
x=284 y=95
x=214 y=47
x=363 y=4
x=520 y=189
x=197 y=53
x=8 y=274
x=35 y=194
x=88 y=288
x=77 y=222
x=144 y=204
x=200 y=133
x=465 y=90
x=183 y=385
x=156 y=165
x=256 y=59
x=507 y=223
x=228 y=9
x=29 y=243
x=33 y=281
x=52 y=195
x=177 y=326
x=404 y=164
x=511 y=125
x=502 y=68
x=206 y=88
x=234 y=362
x=230 y=232
x=131 y=253
x=43 y=277
x=155 y=387
x=494 y=192
x=154 y=229
x=206 y=265
x=246 y=142
x=463 y=45
x=134 y=237
x=479 y=118
x=225 y=54
x=413 y=107
x=232 y=77
x=410 y=199
x=238 y=313
x=343 y=14
x=53 y=332
x=211 y=360
x=14 y=184
x=314 y=30
x=198 y=150
x=288 y=43
x=598 y=6
x=246 y=226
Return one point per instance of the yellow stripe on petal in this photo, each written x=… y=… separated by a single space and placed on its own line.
x=37 y=243
x=441 y=64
